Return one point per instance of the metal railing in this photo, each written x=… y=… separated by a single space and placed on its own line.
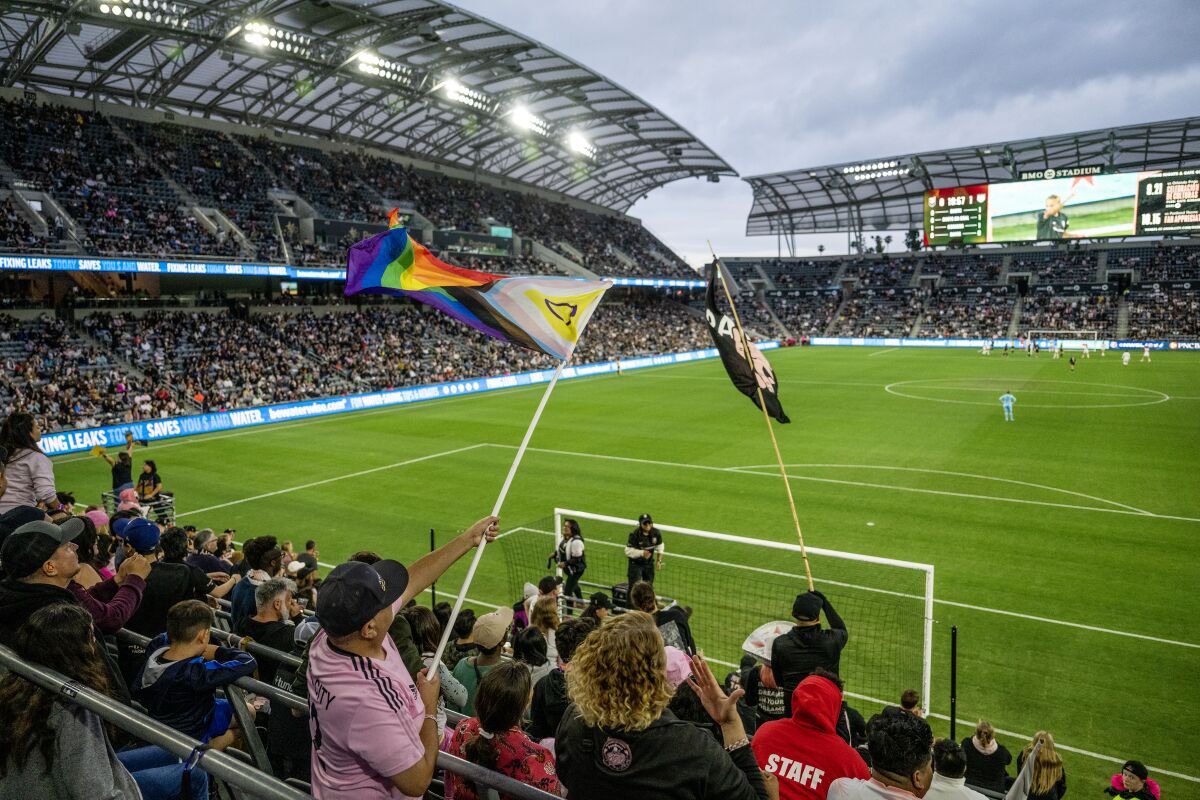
x=487 y=782
x=214 y=762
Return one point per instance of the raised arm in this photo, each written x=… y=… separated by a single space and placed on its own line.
x=427 y=569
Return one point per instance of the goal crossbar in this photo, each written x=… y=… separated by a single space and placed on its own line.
x=927 y=569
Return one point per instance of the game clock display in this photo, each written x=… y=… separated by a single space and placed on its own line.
x=957 y=215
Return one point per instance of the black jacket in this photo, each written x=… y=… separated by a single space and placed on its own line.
x=673 y=625
x=18 y=600
x=795 y=654
x=550 y=702
x=986 y=771
x=670 y=760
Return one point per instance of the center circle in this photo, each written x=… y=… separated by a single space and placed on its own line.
x=1132 y=395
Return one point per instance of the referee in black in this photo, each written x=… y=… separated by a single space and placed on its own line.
x=644 y=550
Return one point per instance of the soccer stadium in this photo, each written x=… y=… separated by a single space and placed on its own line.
x=361 y=438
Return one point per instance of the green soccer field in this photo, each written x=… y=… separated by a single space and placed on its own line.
x=1065 y=543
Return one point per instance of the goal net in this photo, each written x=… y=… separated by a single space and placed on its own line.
x=734 y=584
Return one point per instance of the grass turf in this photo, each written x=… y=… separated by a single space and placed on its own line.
x=1106 y=432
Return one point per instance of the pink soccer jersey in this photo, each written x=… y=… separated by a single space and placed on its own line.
x=365 y=717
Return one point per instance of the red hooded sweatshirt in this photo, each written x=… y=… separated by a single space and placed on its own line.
x=805 y=752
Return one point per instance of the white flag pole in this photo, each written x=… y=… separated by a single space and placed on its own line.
x=512 y=471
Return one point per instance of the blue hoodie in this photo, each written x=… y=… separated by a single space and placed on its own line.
x=181 y=693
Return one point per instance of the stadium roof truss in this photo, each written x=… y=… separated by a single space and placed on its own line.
x=888 y=193
x=421 y=76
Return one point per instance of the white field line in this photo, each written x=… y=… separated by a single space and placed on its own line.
x=286 y=426
x=360 y=473
x=910 y=596
x=283 y=426
x=864 y=484
x=881 y=352
x=948 y=472
x=1001 y=731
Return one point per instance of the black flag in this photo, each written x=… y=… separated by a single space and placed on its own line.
x=748 y=379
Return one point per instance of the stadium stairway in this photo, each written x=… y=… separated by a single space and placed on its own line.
x=760 y=297
x=1014 y=325
x=833 y=321
x=1122 y=317
x=556 y=259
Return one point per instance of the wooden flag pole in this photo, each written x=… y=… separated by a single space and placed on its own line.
x=512 y=471
x=763 y=405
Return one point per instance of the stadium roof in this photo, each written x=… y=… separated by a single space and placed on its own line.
x=887 y=193
x=422 y=76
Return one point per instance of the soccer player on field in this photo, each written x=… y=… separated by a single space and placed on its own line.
x=1125 y=359
x=1086 y=353
x=1072 y=363
x=1145 y=354
x=1007 y=400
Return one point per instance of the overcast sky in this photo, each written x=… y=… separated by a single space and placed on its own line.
x=778 y=85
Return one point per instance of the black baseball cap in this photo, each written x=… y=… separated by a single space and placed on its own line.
x=600 y=600
x=16 y=517
x=355 y=592
x=645 y=518
x=34 y=543
x=308 y=560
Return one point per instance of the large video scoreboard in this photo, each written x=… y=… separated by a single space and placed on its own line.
x=1072 y=206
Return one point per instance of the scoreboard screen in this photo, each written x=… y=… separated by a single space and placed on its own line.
x=956 y=215
x=1073 y=207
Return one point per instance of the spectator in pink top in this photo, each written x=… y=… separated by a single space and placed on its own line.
x=493 y=737
x=374 y=728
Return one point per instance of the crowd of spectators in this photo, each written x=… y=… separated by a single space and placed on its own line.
x=806 y=315
x=120 y=202
x=591 y=706
x=124 y=204
x=15 y=231
x=52 y=373
x=1164 y=314
x=964 y=270
x=120 y=367
x=1162 y=262
x=1058 y=266
x=882 y=272
x=1074 y=312
x=886 y=312
x=950 y=314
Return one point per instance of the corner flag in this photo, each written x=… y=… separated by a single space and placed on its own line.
x=748 y=374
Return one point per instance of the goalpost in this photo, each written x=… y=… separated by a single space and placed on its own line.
x=734 y=584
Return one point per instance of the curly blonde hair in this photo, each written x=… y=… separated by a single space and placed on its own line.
x=618 y=675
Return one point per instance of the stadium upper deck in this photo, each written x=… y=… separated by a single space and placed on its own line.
x=886 y=194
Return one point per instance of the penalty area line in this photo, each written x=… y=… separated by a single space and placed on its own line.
x=357 y=474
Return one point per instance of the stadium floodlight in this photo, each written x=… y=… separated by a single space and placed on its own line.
x=457 y=92
x=371 y=64
x=269 y=36
x=150 y=11
x=579 y=143
x=526 y=120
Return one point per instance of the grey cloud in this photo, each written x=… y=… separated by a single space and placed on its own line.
x=780 y=85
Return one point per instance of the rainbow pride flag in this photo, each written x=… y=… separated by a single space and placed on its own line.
x=546 y=314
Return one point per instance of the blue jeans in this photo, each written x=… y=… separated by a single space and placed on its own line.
x=159 y=774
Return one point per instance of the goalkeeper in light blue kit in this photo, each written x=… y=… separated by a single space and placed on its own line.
x=1007 y=400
